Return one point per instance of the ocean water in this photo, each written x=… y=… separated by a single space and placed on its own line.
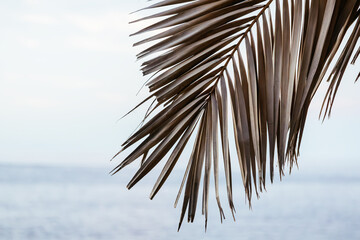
x=39 y=202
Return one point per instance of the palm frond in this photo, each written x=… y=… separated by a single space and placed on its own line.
x=258 y=61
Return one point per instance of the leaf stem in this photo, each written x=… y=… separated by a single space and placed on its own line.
x=242 y=38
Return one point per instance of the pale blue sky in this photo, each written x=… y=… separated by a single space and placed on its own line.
x=68 y=73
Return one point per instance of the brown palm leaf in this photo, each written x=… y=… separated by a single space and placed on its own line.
x=256 y=62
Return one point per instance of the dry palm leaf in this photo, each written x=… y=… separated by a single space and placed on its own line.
x=256 y=62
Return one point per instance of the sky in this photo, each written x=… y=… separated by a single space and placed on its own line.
x=68 y=73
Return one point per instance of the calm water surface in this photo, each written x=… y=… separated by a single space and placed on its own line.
x=40 y=202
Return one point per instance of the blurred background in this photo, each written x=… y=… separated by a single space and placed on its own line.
x=68 y=73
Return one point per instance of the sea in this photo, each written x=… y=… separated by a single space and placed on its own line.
x=56 y=202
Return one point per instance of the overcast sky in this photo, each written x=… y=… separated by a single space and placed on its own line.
x=68 y=73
